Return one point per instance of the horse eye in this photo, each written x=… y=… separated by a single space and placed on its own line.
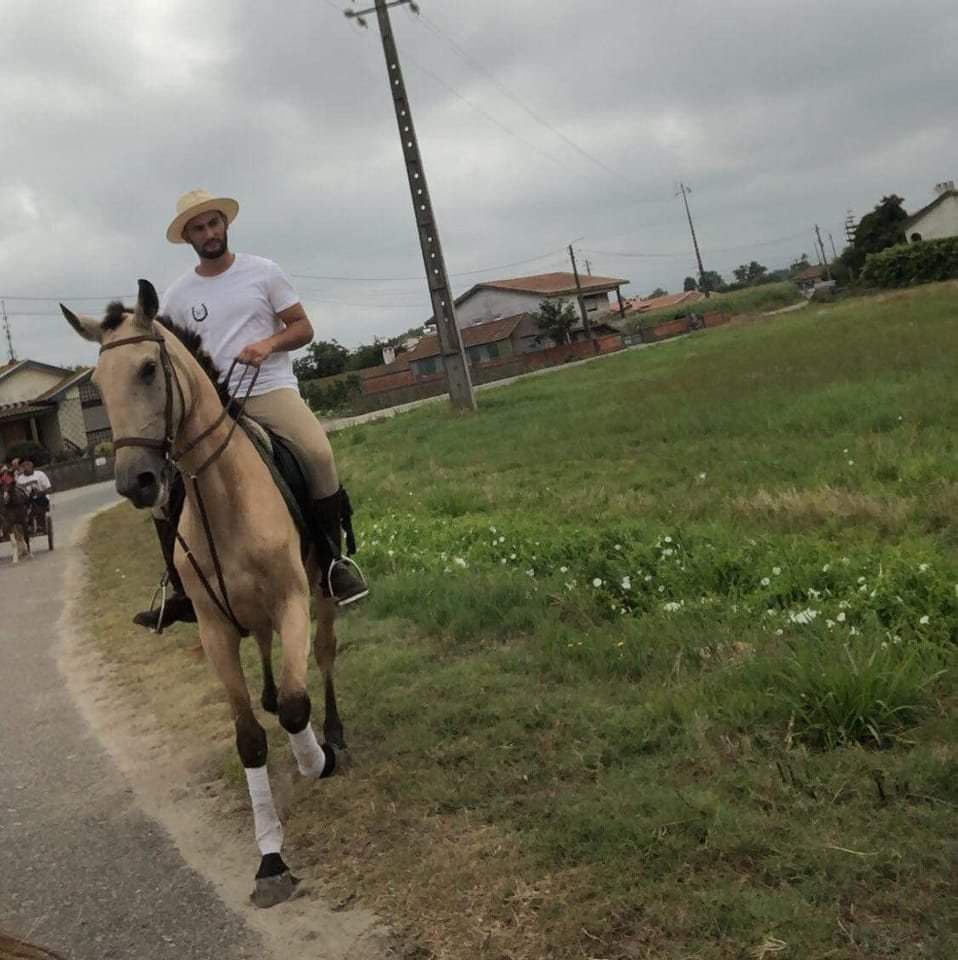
x=148 y=371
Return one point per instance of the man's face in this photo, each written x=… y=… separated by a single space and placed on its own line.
x=207 y=234
x=27 y=467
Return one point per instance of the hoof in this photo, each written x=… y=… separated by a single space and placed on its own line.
x=269 y=700
x=269 y=891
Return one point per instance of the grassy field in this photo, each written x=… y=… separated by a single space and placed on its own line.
x=659 y=661
x=761 y=299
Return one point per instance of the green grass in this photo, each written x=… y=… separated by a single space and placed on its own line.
x=659 y=659
x=761 y=299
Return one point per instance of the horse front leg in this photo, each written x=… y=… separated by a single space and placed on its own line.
x=312 y=759
x=324 y=648
x=274 y=883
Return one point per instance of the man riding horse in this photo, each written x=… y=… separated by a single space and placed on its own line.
x=245 y=308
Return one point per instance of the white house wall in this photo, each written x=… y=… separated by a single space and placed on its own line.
x=487 y=304
x=938 y=223
x=27 y=385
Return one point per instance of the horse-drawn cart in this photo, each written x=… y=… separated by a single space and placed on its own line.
x=39 y=523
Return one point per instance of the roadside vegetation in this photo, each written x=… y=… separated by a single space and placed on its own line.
x=751 y=300
x=660 y=656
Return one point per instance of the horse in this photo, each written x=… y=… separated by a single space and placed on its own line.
x=15 y=519
x=238 y=554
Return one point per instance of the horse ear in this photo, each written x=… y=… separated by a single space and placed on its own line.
x=87 y=327
x=147 y=304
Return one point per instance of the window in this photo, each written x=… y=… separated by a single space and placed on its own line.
x=428 y=366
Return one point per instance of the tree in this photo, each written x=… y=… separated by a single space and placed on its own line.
x=797 y=266
x=750 y=272
x=876 y=231
x=690 y=283
x=658 y=292
x=556 y=318
x=366 y=355
x=711 y=280
x=324 y=358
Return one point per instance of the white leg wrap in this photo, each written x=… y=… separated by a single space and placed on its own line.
x=269 y=831
x=309 y=754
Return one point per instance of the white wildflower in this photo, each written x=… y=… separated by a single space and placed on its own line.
x=779 y=632
x=492 y=530
x=626 y=583
x=563 y=569
x=597 y=582
x=391 y=553
x=829 y=624
x=618 y=546
x=924 y=620
x=668 y=539
x=826 y=568
x=702 y=476
x=803 y=616
x=776 y=571
x=667 y=552
x=853 y=631
x=765 y=581
x=841 y=617
x=512 y=556
x=648 y=577
x=672 y=606
x=661 y=589
x=530 y=572
x=922 y=567
x=459 y=562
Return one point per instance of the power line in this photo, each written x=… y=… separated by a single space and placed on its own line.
x=464 y=273
x=685 y=253
x=529 y=110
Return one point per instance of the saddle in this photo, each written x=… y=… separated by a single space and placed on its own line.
x=290 y=479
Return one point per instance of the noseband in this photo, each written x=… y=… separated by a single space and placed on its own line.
x=171 y=458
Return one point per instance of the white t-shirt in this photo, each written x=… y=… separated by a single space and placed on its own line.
x=233 y=310
x=37 y=482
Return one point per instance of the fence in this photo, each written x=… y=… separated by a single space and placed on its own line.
x=79 y=473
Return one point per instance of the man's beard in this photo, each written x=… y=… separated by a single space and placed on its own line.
x=210 y=252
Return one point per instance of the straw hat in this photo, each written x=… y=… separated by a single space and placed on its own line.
x=194 y=203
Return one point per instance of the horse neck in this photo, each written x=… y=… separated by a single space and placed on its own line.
x=203 y=409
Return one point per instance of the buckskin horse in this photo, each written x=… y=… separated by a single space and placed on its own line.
x=238 y=553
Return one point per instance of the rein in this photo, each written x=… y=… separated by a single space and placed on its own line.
x=172 y=457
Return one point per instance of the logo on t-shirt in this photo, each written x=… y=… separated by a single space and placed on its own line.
x=199 y=313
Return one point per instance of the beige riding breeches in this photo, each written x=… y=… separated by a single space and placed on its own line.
x=285 y=412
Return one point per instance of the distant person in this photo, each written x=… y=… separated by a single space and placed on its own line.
x=245 y=308
x=35 y=484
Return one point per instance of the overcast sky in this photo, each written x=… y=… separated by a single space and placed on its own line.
x=779 y=115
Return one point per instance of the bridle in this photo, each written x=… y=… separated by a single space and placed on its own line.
x=172 y=458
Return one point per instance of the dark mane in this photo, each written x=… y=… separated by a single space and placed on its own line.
x=194 y=343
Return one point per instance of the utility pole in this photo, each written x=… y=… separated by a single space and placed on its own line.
x=821 y=246
x=11 y=353
x=588 y=267
x=586 y=323
x=831 y=240
x=440 y=293
x=684 y=190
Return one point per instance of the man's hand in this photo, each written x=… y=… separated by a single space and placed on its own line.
x=255 y=353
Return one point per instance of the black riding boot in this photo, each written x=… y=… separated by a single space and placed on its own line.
x=178 y=607
x=341 y=578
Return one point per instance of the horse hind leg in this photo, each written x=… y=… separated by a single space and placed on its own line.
x=324 y=648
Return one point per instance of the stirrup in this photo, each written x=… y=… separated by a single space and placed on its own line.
x=329 y=580
x=161 y=592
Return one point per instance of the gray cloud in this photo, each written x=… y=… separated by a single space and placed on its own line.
x=779 y=116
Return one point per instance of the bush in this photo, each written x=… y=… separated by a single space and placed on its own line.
x=905 y=265
x=331 y=396
x=29 y=450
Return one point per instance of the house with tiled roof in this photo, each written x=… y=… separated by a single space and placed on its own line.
x=496 y=299
x=936 y=220
x=54 y=406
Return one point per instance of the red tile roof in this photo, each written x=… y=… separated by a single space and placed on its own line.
x=638 y=305
x=552 y=284
x=472 y=336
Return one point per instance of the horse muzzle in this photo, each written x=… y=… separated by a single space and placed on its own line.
x=143 y=479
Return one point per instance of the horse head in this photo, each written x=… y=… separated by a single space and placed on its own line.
x=143 y=397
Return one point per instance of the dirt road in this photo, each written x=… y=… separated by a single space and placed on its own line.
x=89 y=862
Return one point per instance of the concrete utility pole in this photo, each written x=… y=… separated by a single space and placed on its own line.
x=831 y=240
x=684 y=190
x=588 y=267
x=11 y=353
x=850 y=228
x=586 y=323
x=440 y=293
x=821 y=246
